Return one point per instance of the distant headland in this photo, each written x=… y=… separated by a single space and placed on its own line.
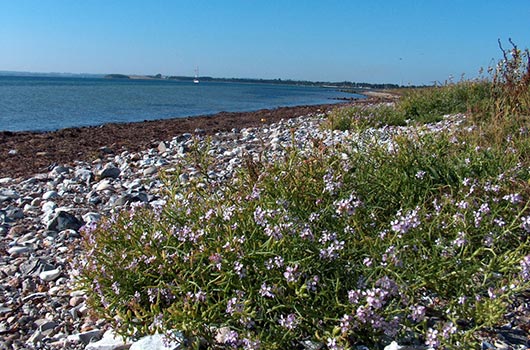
x=349 y=85
x=341 y=84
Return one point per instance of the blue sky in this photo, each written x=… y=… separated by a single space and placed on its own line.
x=394 y=41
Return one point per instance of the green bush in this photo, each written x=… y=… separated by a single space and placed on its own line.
x=363 y=248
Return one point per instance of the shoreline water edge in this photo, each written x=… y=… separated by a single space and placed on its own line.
x=24 y=153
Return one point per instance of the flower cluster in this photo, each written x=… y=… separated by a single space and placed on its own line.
x=404 y=223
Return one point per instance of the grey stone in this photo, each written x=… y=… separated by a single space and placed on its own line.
x=5 y=310
x=64 y=221
x=15 y=213
x=50 y=195
x=90 y=336
x=110 y=172
x=9 y=194
x=16 y=250
x=50 y=275
x=5 y=180
x=61 y=169
x=36 y=337
x=84 y=175
x=45 y=324
x=183 y=138
x=150 y=171
x=33 y=267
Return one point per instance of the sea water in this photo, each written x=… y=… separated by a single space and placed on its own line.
x=51 y=103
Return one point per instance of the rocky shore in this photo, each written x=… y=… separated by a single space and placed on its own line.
x=51 y=184
x=28 y=153
x=45 y=199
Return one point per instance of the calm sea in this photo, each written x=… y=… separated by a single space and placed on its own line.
x=46 y=103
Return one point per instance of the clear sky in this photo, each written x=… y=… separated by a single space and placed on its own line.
x=396 y=41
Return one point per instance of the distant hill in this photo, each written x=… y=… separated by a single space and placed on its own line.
x=348 y=86
x=52 y=74
x=116 y=76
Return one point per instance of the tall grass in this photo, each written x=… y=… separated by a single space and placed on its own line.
x=423 y=239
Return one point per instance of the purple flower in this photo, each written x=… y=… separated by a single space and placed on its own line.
x=260 y=217
x=404 y=223
x=234 y=306
x=363 y=314
x=231 y=338
x=331 y=343
x=526 y=223
x=216 y=259
x=418 y=313
x=347 y=206
x=306 y=233
x=249 y=344
x=228 y=212
x=345 y=323
x=420 y=174
x=291 y=273
x=448 y=329
x=116 y=288
x=330 y=184
x=240 y=270
x=331 y=252
x=290 y=322
x=354 y=296
x=460 y=240
x=312 y=283
x=277 y=261
x=375 y=298
x=432 y=338
x=266 y=291
x=513 y=198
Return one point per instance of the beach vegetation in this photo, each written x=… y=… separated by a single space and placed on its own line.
x=420 y=237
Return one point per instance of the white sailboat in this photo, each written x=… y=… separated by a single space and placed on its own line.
x=196 y=79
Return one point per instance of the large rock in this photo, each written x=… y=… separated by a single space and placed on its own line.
x=64 y=221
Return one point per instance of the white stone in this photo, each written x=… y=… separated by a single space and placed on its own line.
x=158 y=342
x=103 y=185
x=162 y=148
x=110 y=341
x=393 y=346
x=48 y=207
x=16 y=250
x=5 y=180
x=50 y=275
